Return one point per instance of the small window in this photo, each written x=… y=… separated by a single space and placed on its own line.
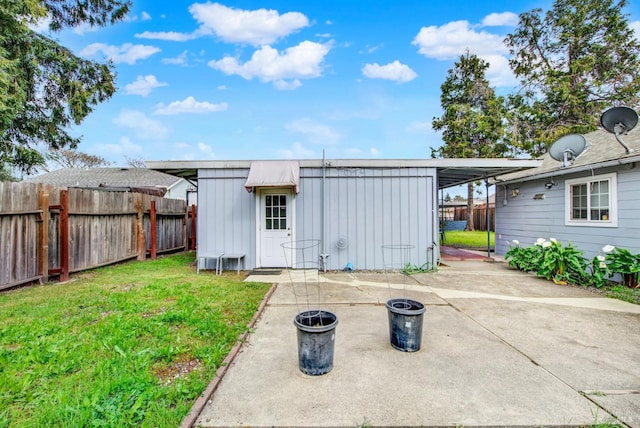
x=275 y=214
x=592 y=201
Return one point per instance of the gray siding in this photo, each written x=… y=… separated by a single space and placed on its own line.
x=226 y=214
x=526 y=219
x=369 y=206
x=372 y=207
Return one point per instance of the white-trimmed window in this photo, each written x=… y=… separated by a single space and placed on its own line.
x=592 y=201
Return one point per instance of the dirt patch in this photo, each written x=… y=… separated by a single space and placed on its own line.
x=176 y=370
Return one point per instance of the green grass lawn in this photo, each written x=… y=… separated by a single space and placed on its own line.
x=126 y=345
x=468 y=239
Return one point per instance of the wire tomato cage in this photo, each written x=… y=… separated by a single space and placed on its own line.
x=303 y=259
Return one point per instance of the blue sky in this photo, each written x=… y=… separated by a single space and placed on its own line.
x=282 y=79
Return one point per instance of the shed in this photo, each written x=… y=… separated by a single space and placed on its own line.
x=352 y=207
x=592 y=202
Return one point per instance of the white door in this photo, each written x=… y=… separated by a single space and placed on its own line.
x=275 y=227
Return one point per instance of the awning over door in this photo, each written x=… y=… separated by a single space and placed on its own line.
x=273 y=174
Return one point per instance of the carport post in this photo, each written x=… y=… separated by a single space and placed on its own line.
x=486 y=183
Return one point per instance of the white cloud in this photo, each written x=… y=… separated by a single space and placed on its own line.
x=419 y=127
x=395 y=71
x=303 y=61
x=142 y=126
x=355 y=151
x=297 y=151
x=143 y=85
x=173 y=36
x=127 y=53
x=179 y=60
x=499 y=72
x=125 y=147
x=283 y=85
x=453 y=39
x=372 y=48
x=206 y=150
x=84 y=28
x=315 y=132
x=144 y=16
x=189 y=105
x=42 y=25
x=508 y=19
x=635 y=26
x=257 y=27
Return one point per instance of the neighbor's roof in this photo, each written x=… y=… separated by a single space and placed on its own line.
x=451 y=172
x=107 y=177
x=602 y=150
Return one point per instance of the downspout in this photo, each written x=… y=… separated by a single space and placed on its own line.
x=324 y=255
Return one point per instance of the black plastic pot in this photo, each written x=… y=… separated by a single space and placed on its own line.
x=316 y=337
x=405 y=324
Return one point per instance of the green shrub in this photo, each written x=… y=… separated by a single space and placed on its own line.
x=621 y=261
x=566 y=264
x=549 y=259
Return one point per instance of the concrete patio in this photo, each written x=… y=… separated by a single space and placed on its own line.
x=499 y=348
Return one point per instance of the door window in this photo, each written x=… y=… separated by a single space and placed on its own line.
x=275 y=216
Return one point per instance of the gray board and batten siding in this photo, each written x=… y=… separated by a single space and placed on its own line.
x=532 y=204
x=369 y=206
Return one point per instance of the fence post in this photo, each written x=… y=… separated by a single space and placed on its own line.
x=43 y=234
x=185 y=228
x=64 y=235
x=140 y=238
x=152 y=218
x=193 y=227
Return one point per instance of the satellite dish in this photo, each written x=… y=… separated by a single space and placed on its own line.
x=342 y=242
x=567 y=148
x=619 y=120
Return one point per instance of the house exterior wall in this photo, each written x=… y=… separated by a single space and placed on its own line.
x=226 y=216
x=527 y=219
x=370 y=207
x=178 y=190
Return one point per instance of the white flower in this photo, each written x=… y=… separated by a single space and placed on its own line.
x=540 y=241
x=546 y=244
x=554 y=240
x=601 y=258
x=516 y=242
x=608 y=249
x=603 y=265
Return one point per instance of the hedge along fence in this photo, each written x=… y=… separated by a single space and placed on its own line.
x=46 y=230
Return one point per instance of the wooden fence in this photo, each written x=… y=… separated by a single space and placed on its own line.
x=45 y=230
x=479 y=217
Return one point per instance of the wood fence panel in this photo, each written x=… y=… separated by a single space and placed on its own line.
x=104 y=227
x=20 y=219
x=479 y=217
x=170 y=222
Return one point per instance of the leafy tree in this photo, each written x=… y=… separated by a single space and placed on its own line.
x=44 y=87
x=73 y=159
x=6 y=175
x=447 y=197
x=135 y=162
x=472 y=123
x=574 y=61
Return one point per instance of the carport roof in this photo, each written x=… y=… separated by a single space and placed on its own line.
x=451 y=172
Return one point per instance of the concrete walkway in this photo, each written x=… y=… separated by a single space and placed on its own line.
x=499 y=348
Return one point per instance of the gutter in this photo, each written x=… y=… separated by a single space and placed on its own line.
x=567 y=171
